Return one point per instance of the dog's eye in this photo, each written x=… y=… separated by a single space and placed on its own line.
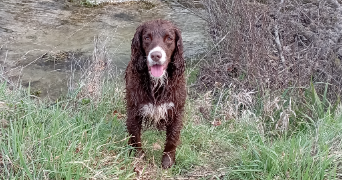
x=168 y=38
x=147 y=38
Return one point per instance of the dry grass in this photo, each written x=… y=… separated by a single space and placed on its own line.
x=92 y=79
x=87 y=78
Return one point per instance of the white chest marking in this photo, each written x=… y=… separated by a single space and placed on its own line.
x=156 y=112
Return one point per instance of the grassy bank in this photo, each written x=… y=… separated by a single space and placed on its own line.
x=288 y=128
x=78 y=139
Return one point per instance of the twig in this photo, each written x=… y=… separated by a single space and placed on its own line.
x=276 y=34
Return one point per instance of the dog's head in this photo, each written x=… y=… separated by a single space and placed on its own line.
x=156 y=47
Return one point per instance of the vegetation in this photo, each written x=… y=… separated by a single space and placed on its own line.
x=270 y=45
x=74 y=139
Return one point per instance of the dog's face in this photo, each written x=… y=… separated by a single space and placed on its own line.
x=159 y=43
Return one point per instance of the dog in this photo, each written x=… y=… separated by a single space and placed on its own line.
x=156 y=85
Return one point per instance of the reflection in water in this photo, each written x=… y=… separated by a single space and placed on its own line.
x=38 y=34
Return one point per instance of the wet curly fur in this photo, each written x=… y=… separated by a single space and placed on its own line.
x=157 y=99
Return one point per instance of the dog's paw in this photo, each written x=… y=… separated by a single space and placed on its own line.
x=168 y=159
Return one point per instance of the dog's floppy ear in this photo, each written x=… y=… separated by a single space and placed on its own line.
x=137 y=56
x=178 y=59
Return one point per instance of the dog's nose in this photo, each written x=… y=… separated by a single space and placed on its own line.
x=156 y=55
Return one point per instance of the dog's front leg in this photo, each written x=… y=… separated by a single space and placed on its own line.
x=133 y=124
x=173 y=131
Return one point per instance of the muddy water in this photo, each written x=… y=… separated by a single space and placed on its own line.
x=34 y=32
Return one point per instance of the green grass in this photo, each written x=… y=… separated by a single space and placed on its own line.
x=71 y=139
x=305 y=155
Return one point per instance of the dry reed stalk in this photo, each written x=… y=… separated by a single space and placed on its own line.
x=91 y=81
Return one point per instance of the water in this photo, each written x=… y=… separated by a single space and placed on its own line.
x=31 y=32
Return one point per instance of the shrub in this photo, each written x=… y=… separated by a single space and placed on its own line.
x=269 y=45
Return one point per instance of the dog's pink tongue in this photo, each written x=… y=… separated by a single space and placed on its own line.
x=157 y=70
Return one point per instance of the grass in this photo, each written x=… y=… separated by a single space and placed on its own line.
x=305 y=155
x=71 y=139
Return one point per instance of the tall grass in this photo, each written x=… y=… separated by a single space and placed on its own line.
x=74 y=139
x=68 y=139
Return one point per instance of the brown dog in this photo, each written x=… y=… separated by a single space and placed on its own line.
x=155 y=84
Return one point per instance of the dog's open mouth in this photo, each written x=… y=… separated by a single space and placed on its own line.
x=157 y=70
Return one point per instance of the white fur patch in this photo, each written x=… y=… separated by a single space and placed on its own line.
x=162 y=59
x=159 y=80
x=156 y=113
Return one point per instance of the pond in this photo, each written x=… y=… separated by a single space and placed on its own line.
x=34 y=32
